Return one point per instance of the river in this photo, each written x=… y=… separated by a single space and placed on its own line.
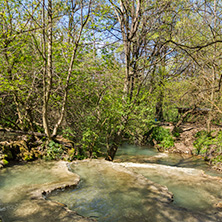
x=140 y=185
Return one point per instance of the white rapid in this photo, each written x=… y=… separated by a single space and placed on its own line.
x=140 y=185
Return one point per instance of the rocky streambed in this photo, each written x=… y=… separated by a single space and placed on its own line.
x=124 y=192
x=23 y=191
x=105 y=191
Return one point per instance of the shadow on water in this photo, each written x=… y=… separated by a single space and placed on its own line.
x=109 y=194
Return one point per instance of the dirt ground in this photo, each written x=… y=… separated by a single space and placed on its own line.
x=184 y=143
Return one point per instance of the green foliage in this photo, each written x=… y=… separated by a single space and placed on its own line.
x=90 y=141
x=170 y=114
x=217 y=159
x=209 y=146
x=69 y=133
x=203 y=141
x=176 y=132
x=94 y=114
x=5 y=162
x=163 y=137
x=53 y=151
x=71 y=154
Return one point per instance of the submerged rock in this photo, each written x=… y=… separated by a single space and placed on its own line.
x=27 y=202
x=152 y=202
x=138 y=198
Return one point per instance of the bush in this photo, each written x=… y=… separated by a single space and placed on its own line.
x=203 y=142
x=209 y=146
x=163 y=137
x=54 y=151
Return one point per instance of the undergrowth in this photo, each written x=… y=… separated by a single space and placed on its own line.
x=163 y=137
x=209 y=145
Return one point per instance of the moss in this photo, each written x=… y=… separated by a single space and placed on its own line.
x=5 y=162
x=27 y=156
x=9 y=155
x=71 y=153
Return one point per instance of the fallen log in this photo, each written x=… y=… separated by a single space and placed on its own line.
x=23 y=132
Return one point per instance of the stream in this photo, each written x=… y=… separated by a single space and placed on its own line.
x=137 y=186
x=101 y=194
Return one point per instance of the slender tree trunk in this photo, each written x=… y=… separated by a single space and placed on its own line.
x=213 y=81
x=129 y=26
x=47 y=79
x=111 y=152
x=66 y=90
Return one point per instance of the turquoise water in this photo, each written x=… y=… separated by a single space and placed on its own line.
x=16 y=180
x=107 y=194
x=138 y=154
x=103 y=196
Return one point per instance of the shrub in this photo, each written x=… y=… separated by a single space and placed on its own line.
x=163 y=137
x=203 y=142
x=209 y=146
x=54 y=151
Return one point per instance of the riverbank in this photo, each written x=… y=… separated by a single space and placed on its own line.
x=184 y=143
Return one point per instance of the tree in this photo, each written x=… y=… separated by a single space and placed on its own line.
x=197 y=34
x=138 y=23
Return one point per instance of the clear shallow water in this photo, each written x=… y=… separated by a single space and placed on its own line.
x=192 y=192
x=133 y=150
x=104 y=196
x=191 y=189
x=26 y=174
x=16 y=180
x=137 y=154
x=108 y=195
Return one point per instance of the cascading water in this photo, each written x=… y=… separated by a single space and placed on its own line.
x=102 y=196
x=123 y=190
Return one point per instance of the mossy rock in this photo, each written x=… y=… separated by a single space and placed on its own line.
x=3 y=163
x=72 y=154
x=6 y=150
x=24 y=153
x=16 y=150
x=26 y=156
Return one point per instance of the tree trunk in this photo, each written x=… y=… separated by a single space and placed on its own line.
x=84 y=20
x=212 y=96
x=47 y=81
x=111 y=152
x=159 y=107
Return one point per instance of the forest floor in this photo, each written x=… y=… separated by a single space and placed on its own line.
x=184 y=143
